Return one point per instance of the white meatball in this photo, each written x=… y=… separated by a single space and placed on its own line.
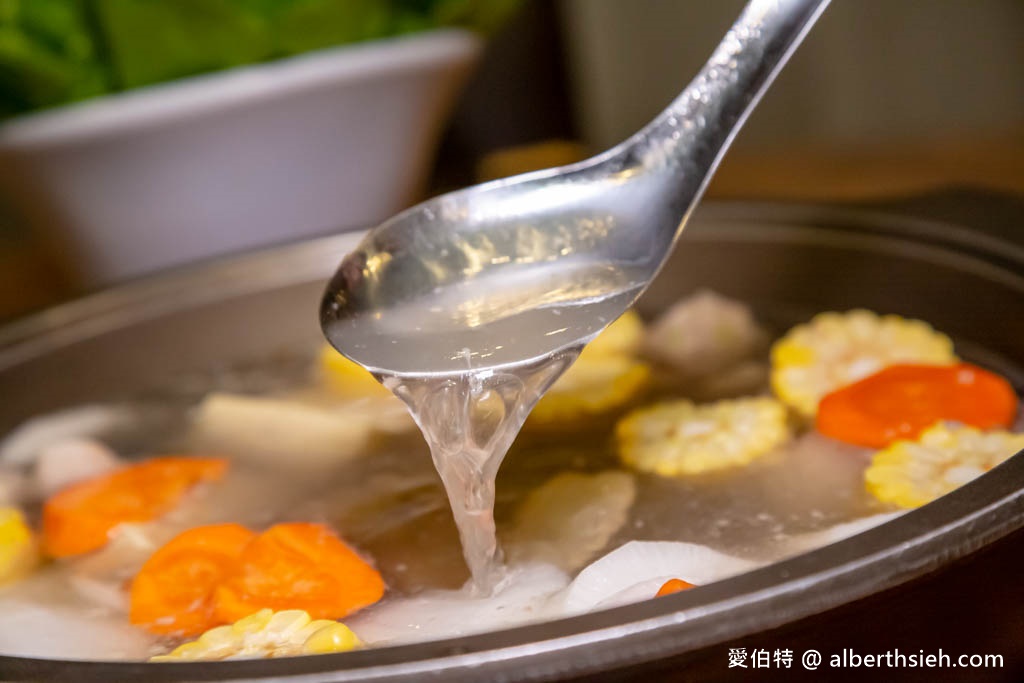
x=65 y=462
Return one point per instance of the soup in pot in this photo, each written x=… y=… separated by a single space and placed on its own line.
x=294 y=508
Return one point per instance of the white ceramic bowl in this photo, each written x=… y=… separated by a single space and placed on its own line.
x=142 y=180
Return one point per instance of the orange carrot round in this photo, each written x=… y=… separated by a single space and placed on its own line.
x=173 y=592
x=298 y=566
x=79 y=518
x=672 y=586
x=901 y=401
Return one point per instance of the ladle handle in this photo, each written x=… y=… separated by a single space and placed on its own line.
x=689 y=138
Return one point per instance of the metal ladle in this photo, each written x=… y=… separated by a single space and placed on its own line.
x=515 y=270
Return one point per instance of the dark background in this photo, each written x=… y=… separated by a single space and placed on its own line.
x=886 y=98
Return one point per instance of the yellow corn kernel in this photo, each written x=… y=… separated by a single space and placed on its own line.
x=943 y=458
x=18 y=550
x=603 y=378
x=680 y=438
x=792 y=354
x=266 y=634
x=591 y=386
x=194 y=650
x=347 y=378
x=254 y=623
x=836 y=349
x=331 y=637
x=624 y=336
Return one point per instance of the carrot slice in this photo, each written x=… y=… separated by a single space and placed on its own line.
x=672 y=586
x=173 y=592
x=902 y=401
x=298 y=566
x=79 y=518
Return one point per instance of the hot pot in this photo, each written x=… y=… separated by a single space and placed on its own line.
x=941 y=577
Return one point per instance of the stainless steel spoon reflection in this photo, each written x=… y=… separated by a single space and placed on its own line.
x=517 y=269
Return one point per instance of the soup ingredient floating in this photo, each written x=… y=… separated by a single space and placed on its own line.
x=837 y=349
x=268 y=430
x=637 y=570
x=945 y=457
x=902 y=401
x=221 y=573
x=709 y=347
x=348 y=378
x=589 y=389
x=704 y=334
x=71 y=460
x=80 y=518
x=605 y=377
x=23 y=445
x=18 y=553
x=173 y=592
x=680 y=438
x=298 y=566
x=570 y=518
x=267 y=634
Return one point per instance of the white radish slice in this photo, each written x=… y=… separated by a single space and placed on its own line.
x=570 y=518
x=645 y=590
x=23 y=445
x=520 y=598
x=288 y=435
x=629 y=573
x=387 y=414
x=71 y=460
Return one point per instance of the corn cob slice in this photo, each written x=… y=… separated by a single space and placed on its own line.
x=347 y=378
x=836 y=349
x=19 y=551
x=622 y=337
x=943 y=458
x=570 y=518
x=603 y=378
x=682 y=438
x=593 y=385
x=267 y=634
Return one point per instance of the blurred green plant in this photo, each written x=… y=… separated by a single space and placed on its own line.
x=57 y=51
